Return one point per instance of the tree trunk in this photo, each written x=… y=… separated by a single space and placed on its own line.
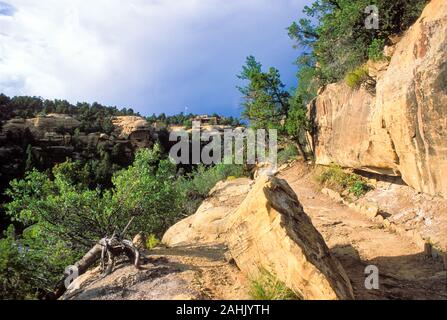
x=86 y=262
x=310 y=144
x=301 y=148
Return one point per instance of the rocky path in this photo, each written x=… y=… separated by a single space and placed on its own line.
x=357 y=242
x=182 y=273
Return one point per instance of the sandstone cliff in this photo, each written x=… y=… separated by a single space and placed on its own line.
x=402 y=128
x=53 y=138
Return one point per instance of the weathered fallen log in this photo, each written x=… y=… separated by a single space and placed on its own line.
x=111 y=247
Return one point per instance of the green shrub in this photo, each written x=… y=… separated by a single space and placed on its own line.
x=375 y=50
x=203 y=179
x=268 y=287
x=357 y=77
x=152 y=241
x=337 y=37
x=358 y=188
x=64 y=218
x=198 y=184
x=336 y=178
x=33 y=263
x=287 y=154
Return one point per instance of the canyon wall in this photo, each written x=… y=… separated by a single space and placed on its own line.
x=401 y=128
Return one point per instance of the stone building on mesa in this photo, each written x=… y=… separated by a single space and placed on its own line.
x=207 y=120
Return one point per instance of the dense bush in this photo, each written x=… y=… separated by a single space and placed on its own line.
x=197 y=185
x=335 y=177
x=32 y=263
x=290 y=152
x=335 y=36
x=63 y=217
x=357 y=77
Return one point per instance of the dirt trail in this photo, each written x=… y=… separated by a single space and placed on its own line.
x=182 y=273
x=357 y=242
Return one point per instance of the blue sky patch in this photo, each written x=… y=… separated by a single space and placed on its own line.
x=6 y=9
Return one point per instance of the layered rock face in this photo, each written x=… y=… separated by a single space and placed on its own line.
x=40 y=127
x=402 y=129
x=346 y=133
x=135 y=129
x=412 y=99
x=55 y=137
x=268 y=230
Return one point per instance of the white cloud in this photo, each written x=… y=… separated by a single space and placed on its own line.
x=155 y=55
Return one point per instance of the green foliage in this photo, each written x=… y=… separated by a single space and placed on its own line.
x=12 y=285
x=375 y=50
x=357 y=77
x=289 y=153
x=148 y=190
x=183 y=119
x=297 y=123
x=197 y=185
x=335 y=177
x=29 y=163
x=267 y=105
x=266 y=102
x=69 y=212
x=268 y=287
x=358 y=188
x=94 y=117
x=152 y=241
x=64 y=218
x=80 y=215
x=31 y=264
x=334 y=33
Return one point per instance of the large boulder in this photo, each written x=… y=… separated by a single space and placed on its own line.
x=270 y=231
x=208 y=225
x=345 y=133
x=402 y=129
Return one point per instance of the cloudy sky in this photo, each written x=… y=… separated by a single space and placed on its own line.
x=151 y=55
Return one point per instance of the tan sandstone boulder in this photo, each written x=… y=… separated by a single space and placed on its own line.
x=402 y=130
x=270 y=231
x=208 y=224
